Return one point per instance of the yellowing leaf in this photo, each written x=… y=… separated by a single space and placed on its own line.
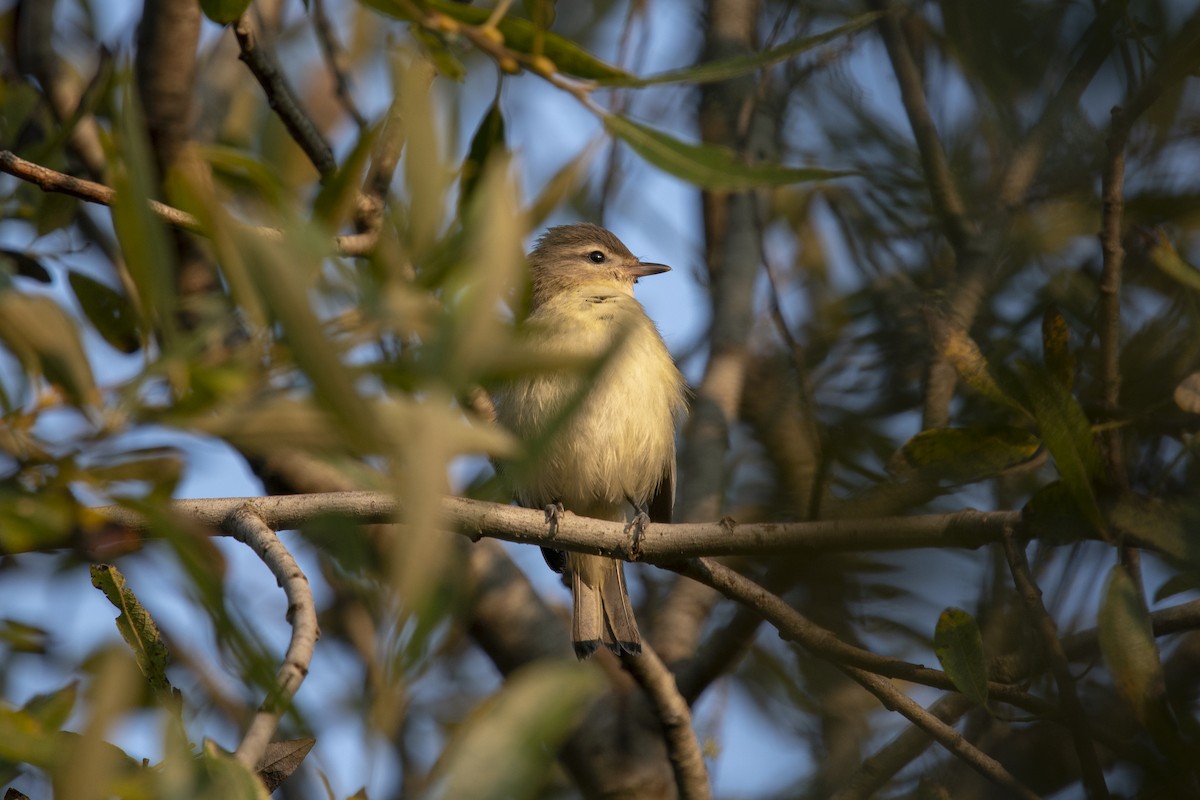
x=964 y=455
x=1056 y=347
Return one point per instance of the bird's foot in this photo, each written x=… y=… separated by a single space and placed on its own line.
x=554 y=512
x=637 y=526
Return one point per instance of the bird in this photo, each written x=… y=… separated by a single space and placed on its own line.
x=613 y=451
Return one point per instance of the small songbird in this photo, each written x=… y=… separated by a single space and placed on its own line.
x=617 y=448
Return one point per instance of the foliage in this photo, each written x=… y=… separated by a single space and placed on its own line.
x=924 y=322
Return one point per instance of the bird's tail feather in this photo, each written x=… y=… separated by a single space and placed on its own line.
x=602 y=613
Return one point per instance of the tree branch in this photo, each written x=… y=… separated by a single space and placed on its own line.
x=49 y=180
x=245 y=525
x=687 y=760
x=282 y=100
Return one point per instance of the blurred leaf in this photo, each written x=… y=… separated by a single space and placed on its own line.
x=25 y=265
x=226 y=777
x=1177 y=584
x=1163 y=255
x=45 y=340
x=54 y=212
x=109 y=311
x=25 y=740
x=244 y=171
x=142 y=235
x=53 y=709
x=708 y=166
x=1166 y=526
x=224 y=12
x=1127 y=641
x=336 y=200
x=507 y=747
x=958 y=646
x=957 y=347
x=1068 y=436
x=22 y=637
x=1056 y=347
x=562 y=183
x=137 y=628
x=35 y=520
x=488 y=138
x=964 y=455
x=741 y=65
x=1053 y=515
x=1187 y=394
x=264 y=424
x=282 y=759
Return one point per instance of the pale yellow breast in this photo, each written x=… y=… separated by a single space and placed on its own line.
x=621 y=440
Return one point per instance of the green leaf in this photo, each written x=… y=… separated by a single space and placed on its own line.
x=488 y=138
x=137 y=628
x=958 y=646
x=109 y=311
x=25 y=265
x=1163 y=255
x=226 y=777
x=335 y=202
x=1067 y=433
x=1127 y=641
x=957 y=347
x=741 y=65
x=506 y=748
x=224 y=12
x=964 y=455
x=53 y=709
x=445 y=60
x=1053 y=515
x=22 y=637
x=708 y=166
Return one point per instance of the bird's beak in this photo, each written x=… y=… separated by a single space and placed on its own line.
x=641 y=269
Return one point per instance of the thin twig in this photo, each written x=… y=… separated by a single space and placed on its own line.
x=249 y=528
x=944 y=734
x=687 y=760
x=49 y=180
x=282 y=100
x=335 y=60
x=1073 y=713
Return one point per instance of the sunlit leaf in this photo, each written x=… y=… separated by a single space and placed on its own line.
x=958 y=646
x=137 y=628
x=109 y=311
x=1163 y=255
x=53 y=709
x=282 y=759
x=741 y=65
x=708 y=165
x=23 y=637
x=957 y=347
x=964 y=455
x=336 y=201
x=506 y=747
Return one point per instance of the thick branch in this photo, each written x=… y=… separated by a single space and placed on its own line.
x=247 y=527
x=687 y=761
x=49 y=180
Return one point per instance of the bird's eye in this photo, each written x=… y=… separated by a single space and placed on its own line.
x=596 y=256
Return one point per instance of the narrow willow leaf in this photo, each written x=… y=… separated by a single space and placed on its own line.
x=505 y=747
x=53 y=709
x=958 y=646
x=1056 y=347
x=488 y=138
x=137 y=627
x=25 y=265
x=957 y=347
x=336 y=200
x=1055 y=517
x=964 y=455
x=1127 y=641
x=109 y=311
x=707 y=165
x=1168 y=527
x=1067 y=433
x=741 y=65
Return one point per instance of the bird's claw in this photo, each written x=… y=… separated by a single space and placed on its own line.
x=554 y=512
x=637 y=526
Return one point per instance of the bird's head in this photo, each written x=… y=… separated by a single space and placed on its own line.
x=568 y=257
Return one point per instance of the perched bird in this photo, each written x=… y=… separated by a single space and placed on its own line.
x=617 y=448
